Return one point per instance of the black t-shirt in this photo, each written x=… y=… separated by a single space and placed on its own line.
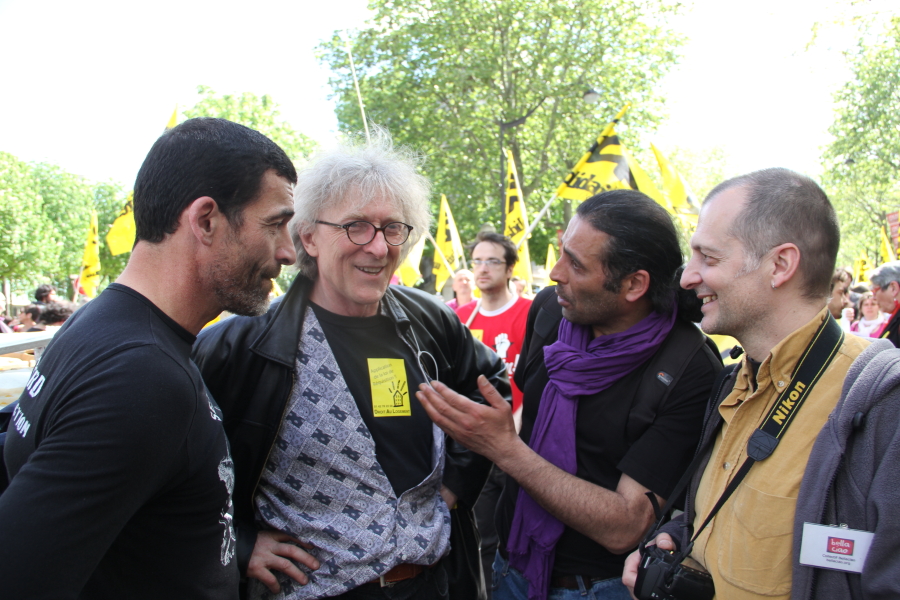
x=656 y=458
x=403 y=444
x=121 y=477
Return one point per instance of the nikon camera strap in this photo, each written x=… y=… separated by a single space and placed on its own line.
x=813 y=362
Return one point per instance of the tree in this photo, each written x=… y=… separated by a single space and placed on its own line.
x=259 y=113
x=26 y=245
x=45 y=213
x=67 y=203
x=703 y=168
x=863 y=162
x=454 y=79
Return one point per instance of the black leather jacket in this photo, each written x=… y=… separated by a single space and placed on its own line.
x=248 y=366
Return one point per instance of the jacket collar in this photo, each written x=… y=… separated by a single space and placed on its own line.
x=280 y=338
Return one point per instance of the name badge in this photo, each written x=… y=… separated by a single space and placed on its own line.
x=390 y=394
x=832 y=547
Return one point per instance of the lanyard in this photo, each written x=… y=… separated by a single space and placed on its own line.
x=815 y=359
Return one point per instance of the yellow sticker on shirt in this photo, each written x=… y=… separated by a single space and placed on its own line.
x=390 y=392
x=478 y=334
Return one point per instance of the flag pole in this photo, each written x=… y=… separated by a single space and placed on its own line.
x=606 y=131
x=450 y=269
x=537 y=219
x=362 y=108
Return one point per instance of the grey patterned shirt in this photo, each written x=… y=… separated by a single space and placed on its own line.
x=323 y=485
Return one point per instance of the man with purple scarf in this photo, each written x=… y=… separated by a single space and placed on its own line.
x=595 y=439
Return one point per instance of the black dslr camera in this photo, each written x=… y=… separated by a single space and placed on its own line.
x=661 y=576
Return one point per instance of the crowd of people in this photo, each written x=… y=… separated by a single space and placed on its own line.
x=358 y=440
x=47 y=310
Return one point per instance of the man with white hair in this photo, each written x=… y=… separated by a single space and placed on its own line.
x=886 y=289
x=344 y=486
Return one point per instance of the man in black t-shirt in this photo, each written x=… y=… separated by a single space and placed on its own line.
x=595 y=440
x=121 y=476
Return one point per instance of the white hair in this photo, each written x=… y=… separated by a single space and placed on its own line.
x=353 y=175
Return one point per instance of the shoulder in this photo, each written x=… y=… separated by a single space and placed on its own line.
x=406 y=294
x=233 y=327
x=687 y=357
x=466 y=309
x=132 y=389
x=853 y=346
x=874 y=375
x=523 y=305
x=421 y=309
x=544 y=296
x=418 y=302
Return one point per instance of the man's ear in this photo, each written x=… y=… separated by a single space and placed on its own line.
x=635 y=286
x=202 y=217
x=785 y=263
x=893 y=289
x=309 y=244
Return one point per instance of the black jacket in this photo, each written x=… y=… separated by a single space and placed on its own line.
x=891 y=331
x=248 y=365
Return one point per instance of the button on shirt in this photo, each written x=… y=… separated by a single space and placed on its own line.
x=747 y=547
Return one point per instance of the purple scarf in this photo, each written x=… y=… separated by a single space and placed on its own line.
x=578 y=365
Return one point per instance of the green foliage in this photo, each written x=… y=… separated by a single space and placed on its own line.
x=67 y=204
x=703 y=169
x=26 y=237
x=442 y=75
x=863 y=162
x=259 y=113
x=45 y=215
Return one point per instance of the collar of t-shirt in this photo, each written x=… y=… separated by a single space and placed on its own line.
x=499 y=311
x=183 y=333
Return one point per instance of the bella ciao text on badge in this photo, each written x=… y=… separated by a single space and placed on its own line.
x=833 y=547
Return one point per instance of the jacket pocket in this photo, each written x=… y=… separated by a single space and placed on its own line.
x=755 y=550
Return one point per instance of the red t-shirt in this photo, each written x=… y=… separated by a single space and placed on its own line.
x=503 y=331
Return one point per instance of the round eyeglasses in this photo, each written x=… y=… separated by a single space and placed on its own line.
x=363 y=232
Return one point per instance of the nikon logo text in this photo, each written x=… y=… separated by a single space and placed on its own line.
x=787 y=405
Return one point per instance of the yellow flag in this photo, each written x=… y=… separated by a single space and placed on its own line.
x=408 y=271
x=90 y=263
x=516 y=221
x=887 y=252
x=644 y=184
x=448 y=246
x=551 y=260
x=680 y=195
x=120 y=238
x=603 y=167
x=173 y=120
x=861 y=268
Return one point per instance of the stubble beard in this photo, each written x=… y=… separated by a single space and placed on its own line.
x=593 y=313
x=240 y=288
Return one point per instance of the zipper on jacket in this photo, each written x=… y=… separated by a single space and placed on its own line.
x=815 y=572
x=287 y=405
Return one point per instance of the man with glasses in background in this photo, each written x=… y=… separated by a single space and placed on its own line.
x=344 y=486
x=498 y=317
